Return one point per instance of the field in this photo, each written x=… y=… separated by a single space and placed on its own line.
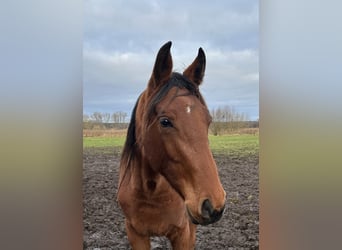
x=230 y=145
x=237 y=160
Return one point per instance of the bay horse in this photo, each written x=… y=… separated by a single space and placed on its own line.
x=168 y=180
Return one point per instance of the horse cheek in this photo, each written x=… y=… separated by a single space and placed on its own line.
x=153 y=151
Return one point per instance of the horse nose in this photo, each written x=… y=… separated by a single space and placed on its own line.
x=209 y=214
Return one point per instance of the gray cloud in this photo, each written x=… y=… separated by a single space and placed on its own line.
x=122 y=38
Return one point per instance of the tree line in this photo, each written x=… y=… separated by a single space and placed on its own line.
x=99 y=117
x=225 y=119
x=105 y=120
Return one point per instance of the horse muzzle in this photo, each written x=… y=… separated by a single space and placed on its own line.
x=208 y=215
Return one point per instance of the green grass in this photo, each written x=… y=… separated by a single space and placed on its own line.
x=116 y=141
x=233 y=145
x=239 y=145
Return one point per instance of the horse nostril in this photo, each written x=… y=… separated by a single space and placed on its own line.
x=209 y=213
x=207 y=209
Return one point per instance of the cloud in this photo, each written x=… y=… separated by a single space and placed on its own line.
x=136 y=25
x=121 y=39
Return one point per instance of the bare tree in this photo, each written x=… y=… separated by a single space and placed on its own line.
x=226 y=119
x=123 y=115
x=115 y=117
x=96 y=117
x=119 y=117
x=105 y=117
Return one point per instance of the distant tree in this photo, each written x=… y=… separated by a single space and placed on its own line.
x=105 y=117
x=228 y=113
x=226 y=119
x=124 y=115
x=96 y=117
x=114 y=118
x=119 y=117
x=216 y=125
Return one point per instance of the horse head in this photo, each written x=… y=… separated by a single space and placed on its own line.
x=172 y=134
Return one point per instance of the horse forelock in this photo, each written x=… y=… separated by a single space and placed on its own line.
x=176 y=80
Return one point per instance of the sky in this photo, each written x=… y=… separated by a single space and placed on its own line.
x=122 y=38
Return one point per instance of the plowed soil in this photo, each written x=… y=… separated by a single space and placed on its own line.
x=104 y=222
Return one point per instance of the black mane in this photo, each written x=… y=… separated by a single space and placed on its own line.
x=129 y=147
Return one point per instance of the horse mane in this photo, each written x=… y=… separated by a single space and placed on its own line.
x=129 y=148
x=130 y=138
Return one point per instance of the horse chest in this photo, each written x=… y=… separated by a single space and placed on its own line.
x=159 y=219
x=155 y=214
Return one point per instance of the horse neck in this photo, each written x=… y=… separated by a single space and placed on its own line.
x=142 y=171
x=144 y=178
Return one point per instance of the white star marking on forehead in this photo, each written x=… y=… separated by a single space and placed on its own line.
x=188 y=109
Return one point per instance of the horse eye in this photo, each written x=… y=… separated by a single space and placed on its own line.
x=165 y=123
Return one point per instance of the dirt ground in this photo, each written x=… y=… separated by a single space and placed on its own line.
x=104 y=221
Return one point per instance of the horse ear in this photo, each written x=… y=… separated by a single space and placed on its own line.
x=195 y=72
x=162 y=67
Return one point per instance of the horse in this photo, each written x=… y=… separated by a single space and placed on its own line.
x=168 y=182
